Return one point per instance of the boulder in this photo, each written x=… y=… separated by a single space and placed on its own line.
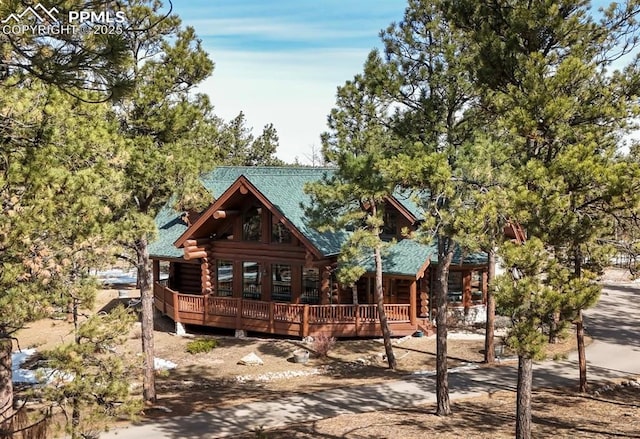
x=251 y=360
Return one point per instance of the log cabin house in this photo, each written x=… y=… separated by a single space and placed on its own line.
x=251 y=262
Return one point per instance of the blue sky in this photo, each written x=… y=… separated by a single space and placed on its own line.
x=280 y=61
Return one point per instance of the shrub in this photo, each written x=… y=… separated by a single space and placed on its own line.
x=322 y=344
x=201 y=345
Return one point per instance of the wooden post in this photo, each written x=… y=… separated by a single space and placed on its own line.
x=271 y=313
x=305 y=321
x=205 y=308
x=156 y=270
x=466 y=290
x=239 y=314
x=176 y=309
x=325 y=285
x=413 y=309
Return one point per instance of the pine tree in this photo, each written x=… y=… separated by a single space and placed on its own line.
x=426 y=76
x=353 y=197
x=544 y=70
x=91 y=382
x=536 y=288
x=89 y=66
x=62 y=161
x=241 y=148
x=170 y=131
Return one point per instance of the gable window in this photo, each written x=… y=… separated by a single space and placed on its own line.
x=252 y=224
x=390 y=226
x=279 y=233
x=281 y=282
x=251 y=280
x=225 y=279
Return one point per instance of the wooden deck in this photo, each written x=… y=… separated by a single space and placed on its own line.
x=282 y=318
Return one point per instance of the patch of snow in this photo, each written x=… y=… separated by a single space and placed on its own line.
x=117 y=276
x=40 y=375
x=19 y=375
x=270 y=376
x=161 y=364
x=430 y=373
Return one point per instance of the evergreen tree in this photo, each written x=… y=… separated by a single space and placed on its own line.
x=76 y=62
x=170 y=131
x=544 y=70
x=91 y=381
x=62 y=162
x=427 y=78
x=536 y=288
x=241 y=148
x=353 y=197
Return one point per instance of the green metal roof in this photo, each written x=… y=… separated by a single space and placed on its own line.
x=284 y=188
x=464 y=258
x=170 y=227
x=404 y=258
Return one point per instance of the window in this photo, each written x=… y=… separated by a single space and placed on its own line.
x=279 y=233
x=252 y=224
x=310 y=286
x=281 y=283
x=225 y=279
x=477 y=294
x=455 y=287
x=390 y=226
x=251 y=280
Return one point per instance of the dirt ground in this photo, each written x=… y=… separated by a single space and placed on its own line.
x=188 y=387
x=556 y=414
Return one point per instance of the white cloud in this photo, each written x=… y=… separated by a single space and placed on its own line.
x=276 y=29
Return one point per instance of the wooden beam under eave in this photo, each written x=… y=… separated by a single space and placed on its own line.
x=244 y=190
x=220 y=214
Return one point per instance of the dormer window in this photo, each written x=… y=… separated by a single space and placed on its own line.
x=252 y=224
x=390 y=226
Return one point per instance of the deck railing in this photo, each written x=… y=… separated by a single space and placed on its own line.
x=240 y=313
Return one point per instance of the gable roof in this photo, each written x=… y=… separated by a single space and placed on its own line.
x=283 y=193
x=283 y=187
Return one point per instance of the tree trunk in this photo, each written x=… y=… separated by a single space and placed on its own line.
x=384 y=323
x=445 y=255
x=75 y=419
x=553 y=329
x=6 y=385
x=582 y=355
x=489 y=349
x=523 y=405
x=146 y=296
x=354 y=291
